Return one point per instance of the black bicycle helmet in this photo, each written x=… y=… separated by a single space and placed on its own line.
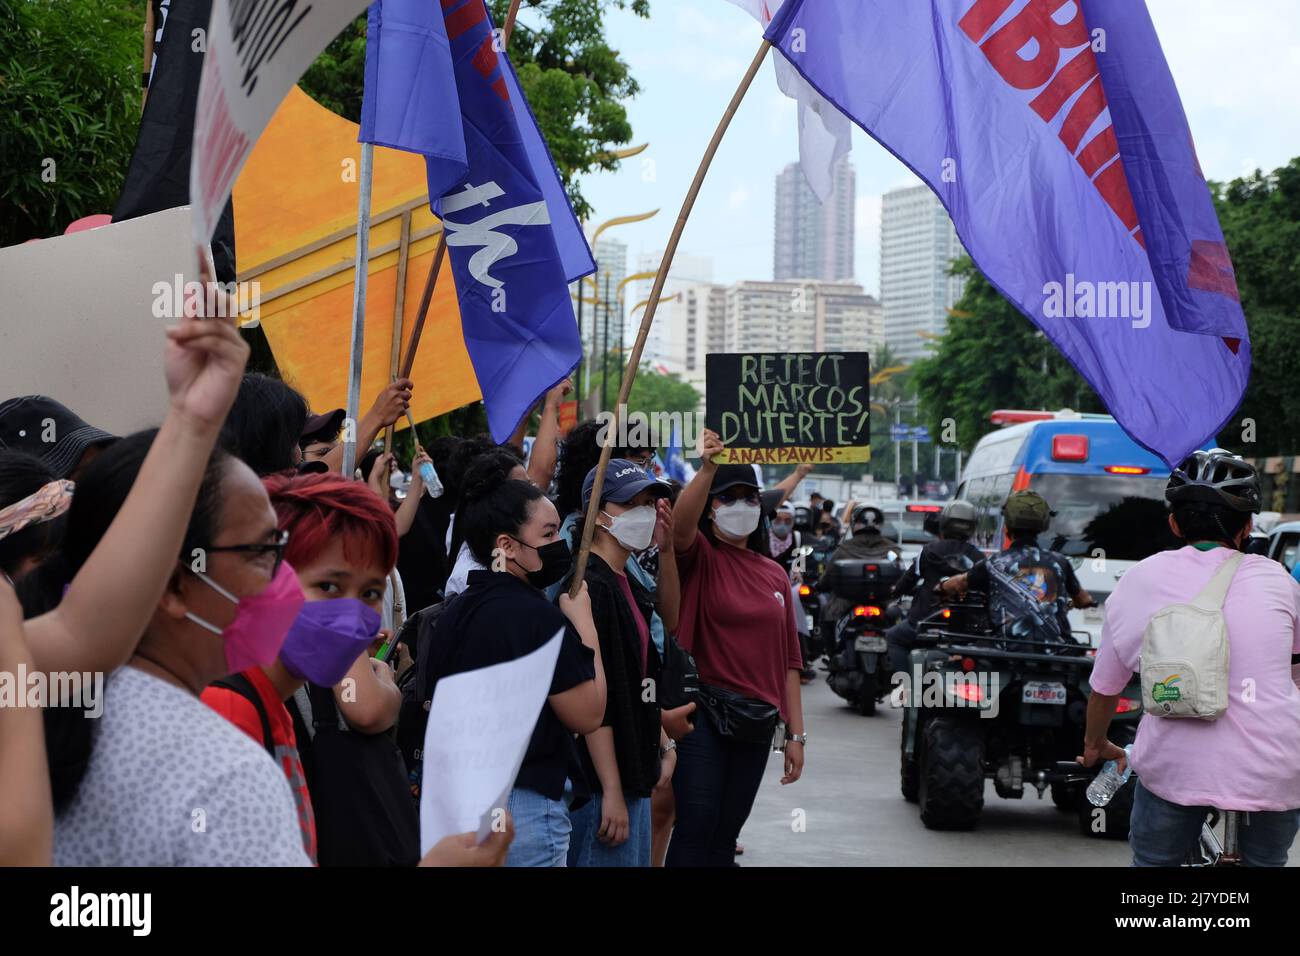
x=1216 y=478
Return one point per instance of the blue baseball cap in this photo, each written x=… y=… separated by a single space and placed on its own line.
x=624 y=480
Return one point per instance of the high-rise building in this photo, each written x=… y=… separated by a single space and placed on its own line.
x=666 y=344
x=917 y=245
x=814 y=240
x=603 y=323
x=801 y=316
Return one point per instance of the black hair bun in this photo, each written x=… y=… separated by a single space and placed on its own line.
x=483 y=476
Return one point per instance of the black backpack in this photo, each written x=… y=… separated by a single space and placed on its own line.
x=358 y=785
x=416 y=686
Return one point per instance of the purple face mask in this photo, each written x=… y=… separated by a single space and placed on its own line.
x=326 y=638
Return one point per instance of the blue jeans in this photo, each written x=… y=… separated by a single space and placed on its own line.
x=1163 y=833
x=715 y=784
x=541 y=830
x=585 y=848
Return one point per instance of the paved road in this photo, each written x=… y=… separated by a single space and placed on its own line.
x=856 y=817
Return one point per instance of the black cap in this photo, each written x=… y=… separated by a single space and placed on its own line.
x=322 y=427
x=26 y=422
x=728 y=476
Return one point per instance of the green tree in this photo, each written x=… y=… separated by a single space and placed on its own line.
x=993 y=357
x=575 y=83
x=651 y=391
x=1260 y=215
x=69 y=108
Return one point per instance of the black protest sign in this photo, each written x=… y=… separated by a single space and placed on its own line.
x=790 y=407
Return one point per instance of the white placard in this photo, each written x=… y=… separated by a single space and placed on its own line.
x=256 y=51
x=480 y=723
x=79 y=318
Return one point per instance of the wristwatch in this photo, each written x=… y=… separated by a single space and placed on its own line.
x=797 y=738
x=664 y=751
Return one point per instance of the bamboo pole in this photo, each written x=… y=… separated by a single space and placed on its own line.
x=432 y=279
x=629 y=375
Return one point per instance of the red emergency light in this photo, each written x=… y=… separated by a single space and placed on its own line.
x=1069 y=447
x=1012 y=416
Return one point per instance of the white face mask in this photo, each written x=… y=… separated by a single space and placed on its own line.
x=738 y=519
x=634 y=529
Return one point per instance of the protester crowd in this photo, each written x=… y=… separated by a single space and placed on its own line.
x=270 y=633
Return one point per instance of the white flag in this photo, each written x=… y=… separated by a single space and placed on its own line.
x=824 y=132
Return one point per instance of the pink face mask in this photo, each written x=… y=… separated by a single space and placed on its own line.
x=254 y=637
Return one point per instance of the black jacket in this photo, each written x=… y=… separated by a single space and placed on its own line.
x=635 y=721
x=937 y=560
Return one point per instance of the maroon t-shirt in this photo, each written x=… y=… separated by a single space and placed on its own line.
x=737 y=619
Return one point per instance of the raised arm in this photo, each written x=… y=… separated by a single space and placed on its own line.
x=26 y=808
x=541 y=466
x=100 y=620
x=790 y=482
x=389 y=406
x=668 y=586
x=695 y=496
x=406 y=511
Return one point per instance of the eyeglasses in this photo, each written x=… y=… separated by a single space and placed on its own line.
x=730 y=495
x=643 y=460
x=267 y=553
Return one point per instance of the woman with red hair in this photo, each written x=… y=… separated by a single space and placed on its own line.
x=354 y=802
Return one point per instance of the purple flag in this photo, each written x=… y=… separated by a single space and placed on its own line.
x=438 y=82
x=1054 y=135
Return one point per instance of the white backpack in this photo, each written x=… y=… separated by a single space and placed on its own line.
x=1185 y=653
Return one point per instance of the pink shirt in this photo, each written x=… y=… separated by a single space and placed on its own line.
x=1248 y=759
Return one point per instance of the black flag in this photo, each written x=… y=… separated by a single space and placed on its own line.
x=159 y=175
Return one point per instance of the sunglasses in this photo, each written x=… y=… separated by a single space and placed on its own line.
x=267 y=553
x=729 y=495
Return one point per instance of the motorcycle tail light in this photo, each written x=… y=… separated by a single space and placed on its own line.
x=804 y=590
x=968 y=664
x=867 y=610
x=947 y=613
x=1127 y=705
x=968 y=692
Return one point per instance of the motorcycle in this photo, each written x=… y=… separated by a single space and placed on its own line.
x=857 y=646
x=810 y=564
x=1002 y=697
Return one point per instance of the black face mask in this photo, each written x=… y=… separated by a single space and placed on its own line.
x=556 y=559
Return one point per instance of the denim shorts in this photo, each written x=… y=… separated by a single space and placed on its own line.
x=585 y=848
x=542 y=830
x=1163 y=833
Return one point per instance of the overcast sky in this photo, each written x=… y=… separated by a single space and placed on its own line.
x=1236 y=63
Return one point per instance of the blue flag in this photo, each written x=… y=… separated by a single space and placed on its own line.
x=512 y=237
x=1053 y=133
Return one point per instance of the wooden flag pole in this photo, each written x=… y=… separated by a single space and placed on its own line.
x=656 y=293
x=432 y=279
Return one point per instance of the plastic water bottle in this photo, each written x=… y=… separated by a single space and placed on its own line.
x=430 y=478
x=1107 y=783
